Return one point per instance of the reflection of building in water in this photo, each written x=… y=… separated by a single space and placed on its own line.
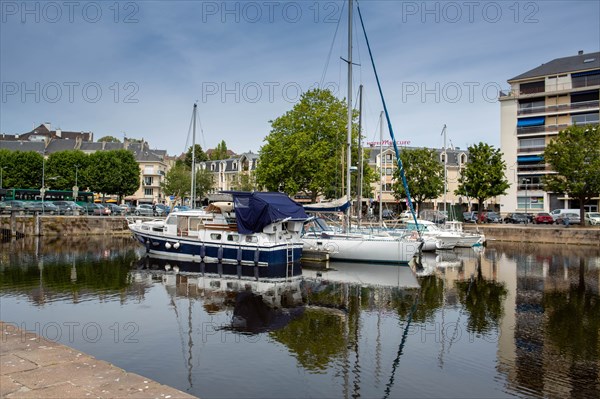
x=551 y=321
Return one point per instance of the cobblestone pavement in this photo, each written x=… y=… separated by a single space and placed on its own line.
x=34 y=367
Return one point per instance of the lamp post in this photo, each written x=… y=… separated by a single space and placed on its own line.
x=525 y=181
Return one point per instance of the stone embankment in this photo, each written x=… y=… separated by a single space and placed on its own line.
x=51 y=225
x=539 y=234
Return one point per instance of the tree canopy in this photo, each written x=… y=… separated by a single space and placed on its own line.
x=575 y=157
x=179 y=178
x=424 y=175
x=304 y=151
x=109 y=139
x=483 y=176
x=199 y=154
x=220 y=152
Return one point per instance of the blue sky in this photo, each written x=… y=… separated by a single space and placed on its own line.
x=135 y=68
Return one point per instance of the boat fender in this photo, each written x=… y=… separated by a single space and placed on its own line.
x=176 y=245
x=202 y=251
x=168 y=245
x=176 y=269
x=220 y=253
x=239 y=255
x=147 y=244
x=167 y=267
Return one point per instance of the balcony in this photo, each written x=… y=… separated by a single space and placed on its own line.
x=533 y=168
x=540 y=129
x=584 y=105
x=526 y=150
x=530 y=186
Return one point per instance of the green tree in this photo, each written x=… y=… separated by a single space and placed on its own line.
x=424 y=175
x=303 y=152
x=243 y=182
x=109 y=139
x=62 y=168
x=178 y=182
x=220 y=152
x=575 y=157
x=483 y=176
x=199 y=154
x=6 y=165
x=113 y=172
x=24 y=169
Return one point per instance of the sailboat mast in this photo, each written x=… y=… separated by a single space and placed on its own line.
x=193 y=188
x=349 y=139
x=381 y=168
x=445 y=167
x=360 y=159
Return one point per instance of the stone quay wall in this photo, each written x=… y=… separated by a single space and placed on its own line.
x=571 y=235
x=51 y=225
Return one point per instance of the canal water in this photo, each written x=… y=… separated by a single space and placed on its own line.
x=501 y=321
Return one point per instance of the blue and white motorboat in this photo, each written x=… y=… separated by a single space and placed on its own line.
x=258 y=231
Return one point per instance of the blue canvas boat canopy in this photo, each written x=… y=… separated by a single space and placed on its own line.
x=256 y=210
x=531 y=122
x=530 y=158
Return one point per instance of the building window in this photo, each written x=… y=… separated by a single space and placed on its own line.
x=149 y=170
x=388 y=157
x=234 y=166
x=148 y=192
x=463 y=159
x=584 y=119
x=212 y=167
x=584 y=79
x=533 y=87
x=148 y=180
x=530 y=144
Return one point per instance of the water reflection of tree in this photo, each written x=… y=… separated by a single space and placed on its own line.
x=483 y=301
x=573 y=323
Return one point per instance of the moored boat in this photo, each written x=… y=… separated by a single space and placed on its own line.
x=257 y=230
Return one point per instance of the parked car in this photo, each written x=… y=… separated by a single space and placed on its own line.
x=115 y=209
x=516 y=218
x=68 y=207
x=543 y=218
x=2 y=206
x=15 y=205
x=127 y=208
x=489 y=217
x=555 y=213
x=388 y=214
x=592 y=218
x=148 y=210
x=96 y=209
x=42 y=207
x=165 y=208
x=470 y=217
x=568 y=218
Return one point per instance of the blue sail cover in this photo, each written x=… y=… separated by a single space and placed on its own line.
x=256 y=210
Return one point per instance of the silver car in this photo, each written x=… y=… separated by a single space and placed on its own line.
x=148 y=210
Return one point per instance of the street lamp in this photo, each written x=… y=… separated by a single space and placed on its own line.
x=525 y=181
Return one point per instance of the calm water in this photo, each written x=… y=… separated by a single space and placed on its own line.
x=505 y=321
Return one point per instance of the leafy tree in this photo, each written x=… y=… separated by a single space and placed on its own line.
x=199 y=154
x=424 y=175
x=220 y=152
x=243 y=182
x=575 y=156
x=6 y=164
x=23 y=169
x=483 y=177
x=61 y=168
x=109 y=139
x=178 y=182
x=303 y=152
x=113 y=172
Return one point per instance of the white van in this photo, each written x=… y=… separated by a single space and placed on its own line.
x=557 y=212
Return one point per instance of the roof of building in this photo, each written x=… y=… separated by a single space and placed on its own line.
x=37 y=146
x=61 y=145
x=579 y=62
x=453 y=153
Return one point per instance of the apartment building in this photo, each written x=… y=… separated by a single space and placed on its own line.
x=384 y=160
x=540 y=103
x=232 y=173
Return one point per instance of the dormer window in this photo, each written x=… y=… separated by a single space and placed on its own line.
x=443 y=157
x=463 y=159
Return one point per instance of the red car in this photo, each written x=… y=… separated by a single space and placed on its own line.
x=543 y=218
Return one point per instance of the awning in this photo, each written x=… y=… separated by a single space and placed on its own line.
x=530 y=158
x=531 y=121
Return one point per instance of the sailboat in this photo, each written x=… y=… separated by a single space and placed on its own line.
x=358 y=247
x=257 y=231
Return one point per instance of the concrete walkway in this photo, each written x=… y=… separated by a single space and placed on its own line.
x=34 y=367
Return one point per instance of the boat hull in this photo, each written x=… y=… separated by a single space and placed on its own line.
x=373 y=250
x=273 y=261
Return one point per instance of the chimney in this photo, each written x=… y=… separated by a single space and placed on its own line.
x=58 y=133
x=580 y=52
